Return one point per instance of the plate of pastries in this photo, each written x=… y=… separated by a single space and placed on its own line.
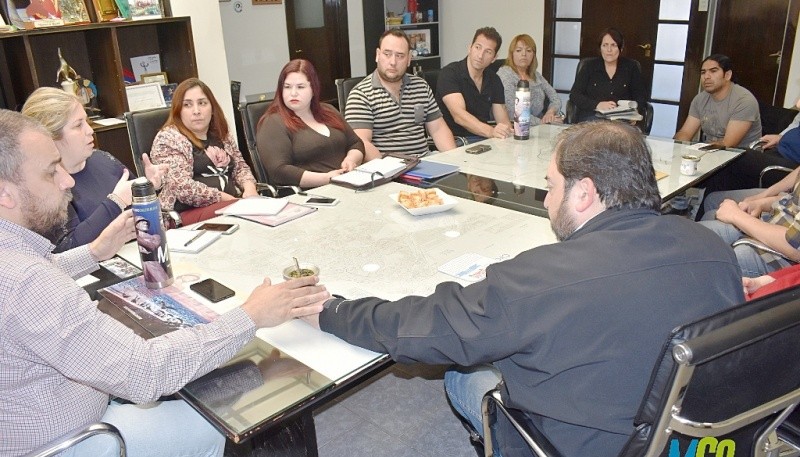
x=424 y=201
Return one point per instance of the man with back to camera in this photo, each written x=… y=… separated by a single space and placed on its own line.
x=390 y=109
x=61 y=358
x=725 y=111
x=573 y=328
x=468 y=92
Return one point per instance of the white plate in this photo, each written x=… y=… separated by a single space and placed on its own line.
x=447 y=203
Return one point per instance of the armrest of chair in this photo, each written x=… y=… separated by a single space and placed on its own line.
x=757 y=145
x=268 y=190
x=76 y=436
x=491 y=404
x=756 y=244
x=770 y=168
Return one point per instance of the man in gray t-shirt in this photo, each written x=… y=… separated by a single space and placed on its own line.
x=726 y=112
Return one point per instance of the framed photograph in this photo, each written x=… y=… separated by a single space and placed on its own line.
x=420 y=41
x=145 y=9
x=74 y=11
x=105 y=10
x=144 y=96
x=160 y=78
x=169 y=91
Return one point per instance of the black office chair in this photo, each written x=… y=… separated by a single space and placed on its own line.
x=431 y=77
x=142 y=129
x=571 y=116
x=731 y=376
x=343 y=88
x=143 y=126
x=251 y=113
x=76 y=436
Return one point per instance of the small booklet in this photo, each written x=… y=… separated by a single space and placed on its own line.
x=372 y=171
x=429 y=171
x=157 y=311
x=191 y=241
x=623 y=106
x=290 y=212
x=254 y=206
x=468 y=267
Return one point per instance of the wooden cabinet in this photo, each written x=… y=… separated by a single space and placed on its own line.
x=100 y=52
x=424 y=34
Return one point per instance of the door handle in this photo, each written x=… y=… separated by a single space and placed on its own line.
x=298 y=51
x=646 y=48
x=777 y=56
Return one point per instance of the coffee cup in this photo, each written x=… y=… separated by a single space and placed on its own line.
x=689 y=164
x=306 y=269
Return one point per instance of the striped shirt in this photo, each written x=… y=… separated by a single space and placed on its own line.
x=396 y=126
x=60 y=357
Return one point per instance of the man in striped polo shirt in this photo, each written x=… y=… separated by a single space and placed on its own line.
x=390 y=110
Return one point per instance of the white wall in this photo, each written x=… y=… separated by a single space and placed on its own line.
x=257 y=44
x=460 y=19
x=209 y=47
x=793 y=84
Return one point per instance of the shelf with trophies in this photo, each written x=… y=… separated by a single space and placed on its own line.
x=96 y=62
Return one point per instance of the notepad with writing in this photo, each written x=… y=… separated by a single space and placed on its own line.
x=254 y=206
x=190 y=241
x=372 y=170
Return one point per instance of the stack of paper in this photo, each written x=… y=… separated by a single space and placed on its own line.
x=625 y=110
x=254 y=206
x=374 y=169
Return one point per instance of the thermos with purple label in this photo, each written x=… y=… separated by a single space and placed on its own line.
x=150 y=235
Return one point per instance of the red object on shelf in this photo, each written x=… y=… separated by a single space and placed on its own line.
x=412 y=7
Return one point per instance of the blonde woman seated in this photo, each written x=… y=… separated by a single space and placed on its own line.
x=206 y=169
x=301 y=141
x=102 y=189
x=521 y=64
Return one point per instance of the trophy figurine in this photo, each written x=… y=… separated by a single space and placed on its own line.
x=72 y=82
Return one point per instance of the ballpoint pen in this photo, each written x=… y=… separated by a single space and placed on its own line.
x=194 y=238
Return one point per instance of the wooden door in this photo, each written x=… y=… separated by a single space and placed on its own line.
x=639 y=27
x=758 y=36
x=317 y=32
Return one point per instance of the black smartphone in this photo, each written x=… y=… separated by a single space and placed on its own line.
x=322 y=201
x=478 y=149
x=212 y=290
x=226 y=229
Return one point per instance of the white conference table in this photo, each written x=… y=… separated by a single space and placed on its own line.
x=524 y=162
x=367 y=245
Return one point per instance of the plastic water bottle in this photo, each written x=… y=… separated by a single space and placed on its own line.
x=522 y=111
x=150 y=235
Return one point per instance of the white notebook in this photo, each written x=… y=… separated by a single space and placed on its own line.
x=255 y=206
x=363 y=174
x=190 y=241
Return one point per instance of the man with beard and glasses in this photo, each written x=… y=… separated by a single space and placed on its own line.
x=61 y=358
x=572 y=328
x=390 y=110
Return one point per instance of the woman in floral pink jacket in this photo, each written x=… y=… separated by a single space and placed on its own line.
x=206 y=169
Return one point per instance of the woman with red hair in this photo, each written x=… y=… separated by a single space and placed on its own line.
x=206 y=168
x=301 y=141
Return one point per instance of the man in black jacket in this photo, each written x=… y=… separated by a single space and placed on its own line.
x=573 y=328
